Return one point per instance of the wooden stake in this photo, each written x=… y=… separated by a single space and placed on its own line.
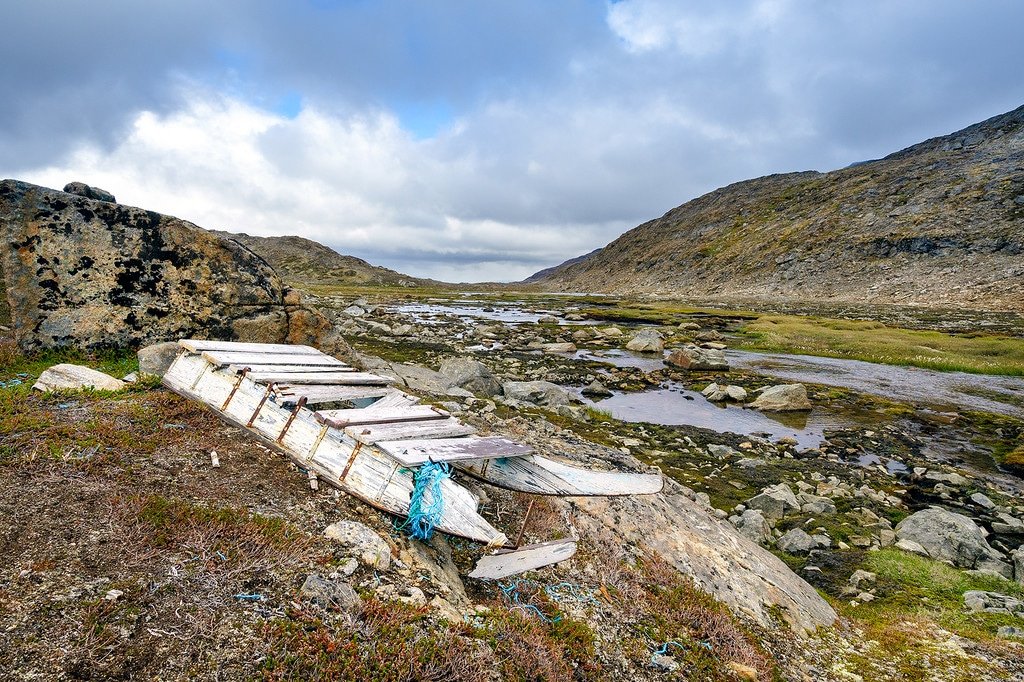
x=526 y=519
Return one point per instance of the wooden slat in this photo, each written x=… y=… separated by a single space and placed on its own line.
x=527 y=558
x=221 y=358
x=544 y=476
x=289 y=369
x=334 y=378
x=395 y=399
x=339 y=419
x=441 y=428
x=200 y=345
x=415 y=452
x=315 y=395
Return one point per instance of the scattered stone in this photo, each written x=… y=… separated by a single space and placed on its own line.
x=542 y=393
x=370 y=548
x=688 y=326
x=946 y=536
x=547 y=319
x=720 y=451
x=65 y=377
x=1010 y=631
x=783 y=398
x=813 y=504
x=698 y=359
x=737 y=393
x=982 y=500
x=471 y=375
x=597 y=390
x=553 y=348
x=752 y=525
x=354 y=311
x=1018 y=564
x=330 y=594
x=742 y=672
x=647 y=341
x=861 y=576
x=155 y=359
x=993 y=602
x=113 y=595
x=796 y=541
x=611 y=333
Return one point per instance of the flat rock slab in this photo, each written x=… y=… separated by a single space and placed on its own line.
x=75 y=377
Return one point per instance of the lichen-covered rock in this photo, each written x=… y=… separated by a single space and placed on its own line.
x=537 y=392
x=647 y=341
x=369 y=547
x=89 y=273
x=66 y=377
x=155 y=359
x=84 y=190
x=471 y=375
x=948 y=536
x=748 y=578
x=698 y=359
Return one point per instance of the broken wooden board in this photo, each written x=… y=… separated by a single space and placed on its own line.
x=441 y=428
x=393 y=399
x=339 y=419
x=362 y=471
x=286 y=369
x=333 y=378
x=544 y=476
x=413 y=453
x=526 y=558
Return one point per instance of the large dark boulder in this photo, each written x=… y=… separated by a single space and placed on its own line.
x=91 y=274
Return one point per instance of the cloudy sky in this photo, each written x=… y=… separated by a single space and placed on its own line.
x=473 y=140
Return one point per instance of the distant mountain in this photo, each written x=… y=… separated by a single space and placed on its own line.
x=940 y=223
x=302 y=261
x=546 y=273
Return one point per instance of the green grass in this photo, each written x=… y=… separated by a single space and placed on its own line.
x=875 y=342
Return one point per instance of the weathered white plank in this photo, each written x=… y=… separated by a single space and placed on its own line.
x=394 y=399
x=527 y=558
x=330 y=394
x=442 y=428
x=334 y=378
x=221 y=358
x=339 y=419
x=199 y=345
x=415 y=452
x=543 y=476
x=288 y=369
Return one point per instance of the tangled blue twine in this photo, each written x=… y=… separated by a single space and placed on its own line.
x=511 y=592
x=17 y=381
x=663 y=650
x=425 y=514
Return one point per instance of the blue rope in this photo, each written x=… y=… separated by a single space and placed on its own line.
x=424 y=513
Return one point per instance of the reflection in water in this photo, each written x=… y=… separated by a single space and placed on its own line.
x=679 y=407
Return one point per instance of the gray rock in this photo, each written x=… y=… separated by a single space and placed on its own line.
x=402 y=330
x=542 y=393
x=596 y=389
x=1010 y=632
x=156 y=358
x=84 y=190
x=783 y=493
x=553 y=348
x=813 y=504
x=698 y=359
x=611 y=333
x=951 y=478
x=1018 y=564
x=946 y=536
x=647 y=341
x=860 y=576
x=773 y=508
x=369 y=547
x=796 y=541
x=354 y=311
x=66 y=377
x=420 y=378
x=753 y=525
x=330 y=594
x=783 y=398
x=714 y=393
x=978 y=601
x=547 y=319
x=982 y=500
x=737 y=393
x=471 y=375
x=720 y=451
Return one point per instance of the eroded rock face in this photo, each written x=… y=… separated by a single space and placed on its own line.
x=750 y=579
x=90 y=273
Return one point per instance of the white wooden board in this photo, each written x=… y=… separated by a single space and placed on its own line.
x=416 y=452
x=528 y=558
x=329 y=394
x=339 y=419
x=199 y=345
x=289 y=369
x=393 y=399
x=221 y=358
x=441 y=428
x=544 y=476
x=335 y=378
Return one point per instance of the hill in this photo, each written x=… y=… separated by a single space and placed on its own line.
x=305 y=262
x=937 y=224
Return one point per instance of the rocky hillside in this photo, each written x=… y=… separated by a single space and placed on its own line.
x=940 y=223
x=302 y=261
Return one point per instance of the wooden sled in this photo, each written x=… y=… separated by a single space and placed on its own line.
x=371 y=447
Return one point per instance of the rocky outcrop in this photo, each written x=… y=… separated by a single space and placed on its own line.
x=90 y=273
x=748 y=578
x=84 y=190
